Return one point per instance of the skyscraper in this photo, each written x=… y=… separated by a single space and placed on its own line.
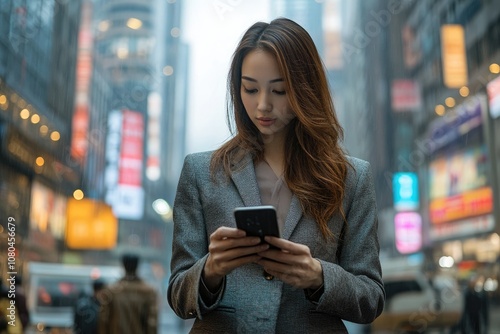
x=137 y=47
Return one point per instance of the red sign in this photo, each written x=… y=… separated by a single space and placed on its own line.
x=131 y=153
x=80 y=125
x=406 y=95
x=79 y=140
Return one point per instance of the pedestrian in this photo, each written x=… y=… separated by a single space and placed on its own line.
x=130 y=305
x=475 y=317
x=86 y=311
x=286 y=152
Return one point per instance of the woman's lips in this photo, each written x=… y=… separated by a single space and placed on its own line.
x=264 y=121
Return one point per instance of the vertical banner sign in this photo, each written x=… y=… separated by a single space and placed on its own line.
x=493 y=88
x=80 y=124
x=332 y=35
x=405 y=191
x=129 y=202
x=412 y=54
x=113 y=142
x=408 y=227
x=453 y=55
x=153 y=171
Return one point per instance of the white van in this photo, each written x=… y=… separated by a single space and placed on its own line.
x=415 y=303
x=53 y=289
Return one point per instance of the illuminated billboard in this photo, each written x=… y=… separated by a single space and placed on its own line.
x=408 y=229
x=47 y=212
x=405 y=95
x=458 y=186
x=81 y=117
x=493 y=88
x=405 y=191
x=91 y=225
x=124 y=164
x=453 y=55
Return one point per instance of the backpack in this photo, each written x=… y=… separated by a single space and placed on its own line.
x=86 y=313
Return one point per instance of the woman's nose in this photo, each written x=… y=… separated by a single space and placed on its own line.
x=264 y=102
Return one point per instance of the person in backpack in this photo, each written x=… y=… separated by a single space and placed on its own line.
x=86 y=311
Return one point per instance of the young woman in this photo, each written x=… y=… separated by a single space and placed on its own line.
x=285 y=152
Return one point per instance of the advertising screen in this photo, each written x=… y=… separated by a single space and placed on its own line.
x=459 y=187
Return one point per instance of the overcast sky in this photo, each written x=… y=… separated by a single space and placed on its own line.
x=213 y=28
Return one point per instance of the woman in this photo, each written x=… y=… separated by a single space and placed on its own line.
x=285 y=153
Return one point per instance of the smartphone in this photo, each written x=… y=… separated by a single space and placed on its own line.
x=257 y=221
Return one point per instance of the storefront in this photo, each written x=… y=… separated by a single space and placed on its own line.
x=34 y=186
x=460 y=197
x=14 y=209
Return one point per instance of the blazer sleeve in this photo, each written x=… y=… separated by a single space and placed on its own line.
x=189 y=248
x=353 y=288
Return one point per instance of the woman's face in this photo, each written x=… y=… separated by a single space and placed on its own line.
x=263 y=94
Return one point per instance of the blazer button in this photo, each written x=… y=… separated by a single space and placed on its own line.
x=268 y=276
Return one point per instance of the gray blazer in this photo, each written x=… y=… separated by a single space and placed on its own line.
x=353 y=288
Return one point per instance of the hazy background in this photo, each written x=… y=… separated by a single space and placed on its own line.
x=213 y=29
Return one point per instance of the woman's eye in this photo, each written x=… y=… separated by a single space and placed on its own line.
x=279 y=92
x=250 y=91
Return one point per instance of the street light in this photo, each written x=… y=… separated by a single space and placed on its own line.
x=162 y=208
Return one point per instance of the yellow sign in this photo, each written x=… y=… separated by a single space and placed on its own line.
x=453 y=55
x=91 y=225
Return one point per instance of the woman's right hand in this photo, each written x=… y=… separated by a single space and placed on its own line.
x=229 y=248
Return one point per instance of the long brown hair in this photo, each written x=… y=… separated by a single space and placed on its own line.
x=316 y=165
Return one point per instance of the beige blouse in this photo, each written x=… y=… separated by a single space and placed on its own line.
x=273 y=191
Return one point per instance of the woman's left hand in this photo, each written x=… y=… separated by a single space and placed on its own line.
x=292 y=263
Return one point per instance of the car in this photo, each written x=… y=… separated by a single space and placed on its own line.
x=415 y=303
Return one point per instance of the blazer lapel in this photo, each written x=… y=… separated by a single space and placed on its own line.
x=293 y=217
x=246 y=182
